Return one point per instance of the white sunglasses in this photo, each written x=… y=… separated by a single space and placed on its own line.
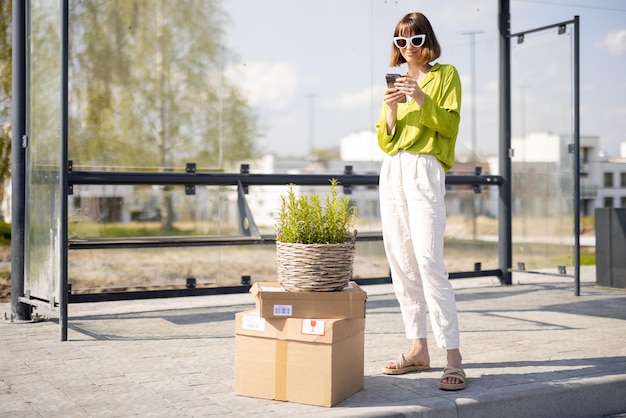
x=402 y=42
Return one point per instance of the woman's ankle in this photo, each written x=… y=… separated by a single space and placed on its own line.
x=454 y=358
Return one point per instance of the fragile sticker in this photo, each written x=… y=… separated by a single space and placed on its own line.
x=313 y=327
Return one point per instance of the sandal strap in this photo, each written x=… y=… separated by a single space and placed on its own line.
x=403 y=362
x=409 y=360
x=399 y=363
x=453 y=372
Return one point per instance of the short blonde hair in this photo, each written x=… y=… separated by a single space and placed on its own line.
x=415 y=24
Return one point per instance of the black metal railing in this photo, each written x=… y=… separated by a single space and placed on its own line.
x=249 y=236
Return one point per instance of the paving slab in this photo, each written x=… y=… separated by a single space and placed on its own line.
x=530 y=349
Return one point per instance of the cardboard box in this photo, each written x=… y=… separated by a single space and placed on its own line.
x=273 y=301
x=316 y=362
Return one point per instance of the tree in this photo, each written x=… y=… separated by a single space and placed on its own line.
x=6 y=62
x=147 y=88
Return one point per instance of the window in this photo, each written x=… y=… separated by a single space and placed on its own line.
x=623 y=202
x=608 y=179
x=585 y=154
x=608 y=202
x=623 y=179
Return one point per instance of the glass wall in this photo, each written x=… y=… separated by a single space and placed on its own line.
x=157 y=84
x=42 y=239
x=542 y=164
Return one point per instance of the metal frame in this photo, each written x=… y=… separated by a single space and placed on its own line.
x=248 y=237
x=64 y=163
x=573 y=148
x=505 y=217
x=18 y=163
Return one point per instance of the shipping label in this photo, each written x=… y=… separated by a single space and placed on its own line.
x=253 y=321
x=283 y=310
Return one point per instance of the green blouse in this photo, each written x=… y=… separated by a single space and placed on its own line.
x=432 y=129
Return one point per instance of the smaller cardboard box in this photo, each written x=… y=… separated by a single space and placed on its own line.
x=310 y=361
x=273 y=301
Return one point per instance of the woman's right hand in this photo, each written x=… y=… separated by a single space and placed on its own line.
x=393 y=96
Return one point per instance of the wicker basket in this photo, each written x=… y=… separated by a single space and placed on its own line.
x=315 y=267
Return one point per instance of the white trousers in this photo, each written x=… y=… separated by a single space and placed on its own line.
x=413 y=216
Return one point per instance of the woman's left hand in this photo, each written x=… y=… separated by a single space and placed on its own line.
x=409 y=86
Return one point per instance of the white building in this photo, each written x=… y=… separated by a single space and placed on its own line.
x=602 y=178
x=610 y=178
x=602 y=183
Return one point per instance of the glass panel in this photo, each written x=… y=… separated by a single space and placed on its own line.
x=42 y=241
x=542 y=167
x=147 y=87
x=157 y=84
x=471 y=237
x=135 y=211
x=160 y=268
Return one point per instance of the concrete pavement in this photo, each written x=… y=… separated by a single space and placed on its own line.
x=532 y=349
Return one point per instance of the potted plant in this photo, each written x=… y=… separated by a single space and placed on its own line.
x=315 y=242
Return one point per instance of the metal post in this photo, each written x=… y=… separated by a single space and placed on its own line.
x=505 y=247
x=21 y=311
x=63 y=168
x=577 y=155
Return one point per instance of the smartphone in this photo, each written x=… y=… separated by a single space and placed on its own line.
x=391 y=78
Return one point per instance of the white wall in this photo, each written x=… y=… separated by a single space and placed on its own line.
x=537 y=147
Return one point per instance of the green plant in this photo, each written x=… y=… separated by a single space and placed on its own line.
x=304 y=220
x=5 y=233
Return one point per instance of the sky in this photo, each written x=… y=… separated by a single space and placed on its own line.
x=313 y=71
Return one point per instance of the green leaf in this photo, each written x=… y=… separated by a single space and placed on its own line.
x=305 y=220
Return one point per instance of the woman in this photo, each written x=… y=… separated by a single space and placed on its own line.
x=417 y=130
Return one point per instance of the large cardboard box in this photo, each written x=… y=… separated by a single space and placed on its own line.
x=273 y=301
x=310 y=361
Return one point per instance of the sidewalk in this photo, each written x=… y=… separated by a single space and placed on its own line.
x=532 y=349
